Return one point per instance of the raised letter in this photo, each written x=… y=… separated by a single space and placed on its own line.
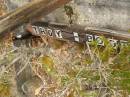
x=76 y=36
x=58 y=33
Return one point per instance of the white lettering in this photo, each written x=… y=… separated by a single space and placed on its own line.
x=123 y=43
x=89 y=38
x=99 y=40
x=58 y=33
x=113 y=42
x=50 y=32
x=76 y=36
x=42 y=30
x=35 y=30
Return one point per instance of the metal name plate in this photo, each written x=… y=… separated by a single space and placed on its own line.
x=74 y=36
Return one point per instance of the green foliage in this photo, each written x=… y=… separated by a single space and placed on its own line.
x=64 y=80
x=122 y=60
x=121 y=84
x=122 y=74
x=106 y=52
x=116 y=72
x=47 y=63
x=121 y=66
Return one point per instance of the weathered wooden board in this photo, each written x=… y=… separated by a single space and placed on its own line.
x=28 y=12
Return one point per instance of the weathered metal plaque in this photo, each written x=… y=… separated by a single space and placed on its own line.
x=79 y=34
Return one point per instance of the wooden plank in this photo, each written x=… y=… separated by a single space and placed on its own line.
x=27 y=13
